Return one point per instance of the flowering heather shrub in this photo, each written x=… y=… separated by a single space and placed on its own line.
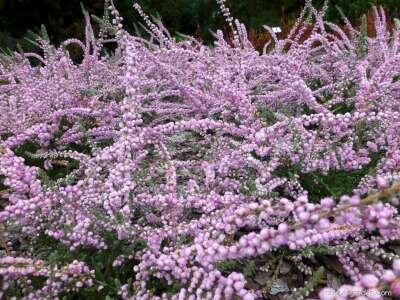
x=173 y=170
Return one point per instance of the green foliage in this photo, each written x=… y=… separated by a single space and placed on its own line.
x=89 y=91
x=333 y=183
x=249 y=188
x=309 y=286
x=43 y=33
x=249 y=268
x=186 y=239
x=266 y=115
x=227 y=266
x=362 y=42
x=61 y=168
x=316 y=250
x=342 y=108
x=101 y=261
x=160 y=286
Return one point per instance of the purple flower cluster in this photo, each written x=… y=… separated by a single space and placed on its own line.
x=185 y=147
x=69 y=278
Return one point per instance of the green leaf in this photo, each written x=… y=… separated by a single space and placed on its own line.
x=53 y=258
x=362 y=41
x=117 y=283
x=249 y=268
x=44 y=34
x=309 y=286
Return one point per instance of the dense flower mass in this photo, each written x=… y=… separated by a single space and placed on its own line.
x=186 y=171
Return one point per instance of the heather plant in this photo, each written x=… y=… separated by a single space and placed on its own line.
x=174 y=170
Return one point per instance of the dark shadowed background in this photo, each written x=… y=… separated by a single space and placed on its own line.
x=63 y=18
